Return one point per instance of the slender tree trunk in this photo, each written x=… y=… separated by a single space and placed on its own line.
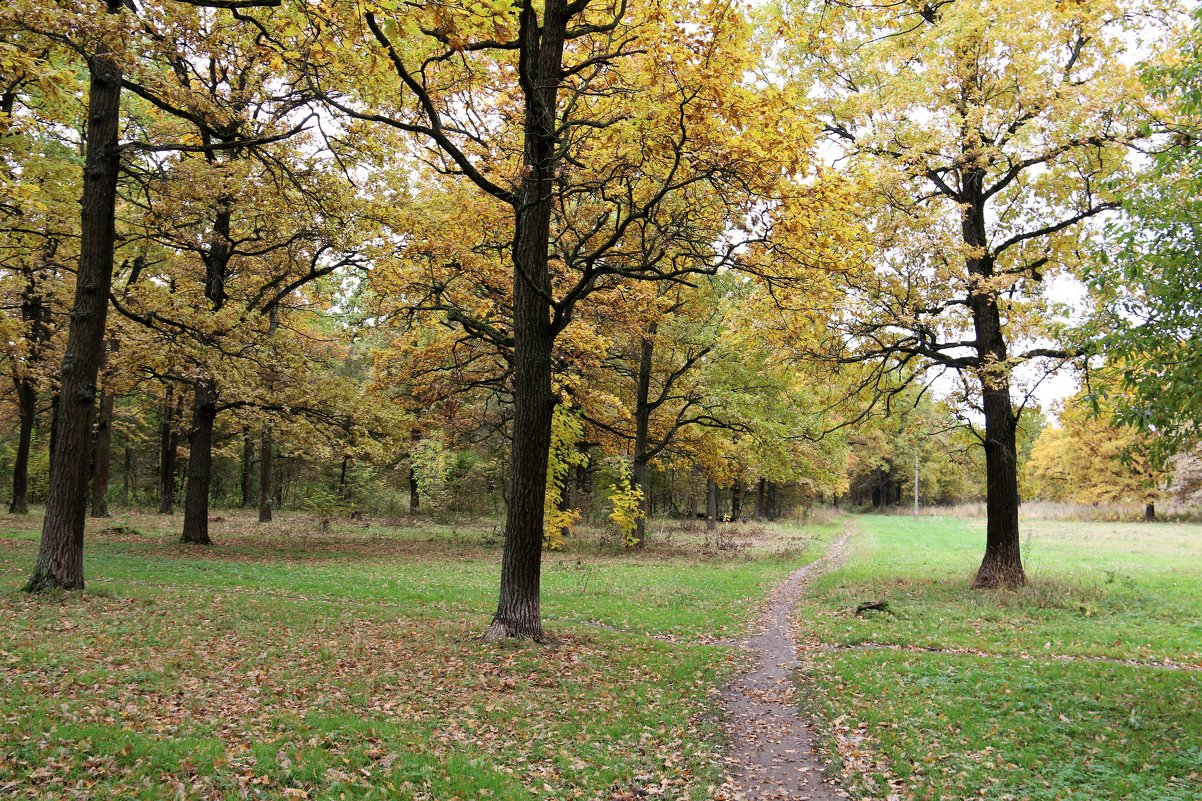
x=168 y=450
x=1002 y=564
x=736 y=501
x=248 y=464
x=200 y=464
x=519 y=611
x=761 y=499
x=27 y=400
x=35 y=315
x=642 y=424
x=265 y=476
x=204 y=400
x=127 y=483
x=103 y=458
x=711 y=504
x=60 y=554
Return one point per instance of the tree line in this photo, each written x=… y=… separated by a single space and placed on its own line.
x=653 y=251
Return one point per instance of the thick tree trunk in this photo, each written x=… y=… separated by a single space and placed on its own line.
x=761 y=499
x=168 y=450
x=1150 y=512
x=642 y=424
x=1002 y=565
x=248 y=463
x=200 y=464
x=711 y=504
x=265 y=476
x=27 y=400
x=540 y=62
x=60 y=554
x=103 y=457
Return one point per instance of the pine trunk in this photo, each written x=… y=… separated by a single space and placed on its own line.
x=60 y=554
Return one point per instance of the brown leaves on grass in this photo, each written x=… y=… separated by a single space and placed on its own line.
x=190 y=697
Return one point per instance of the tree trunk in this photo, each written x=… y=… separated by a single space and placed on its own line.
x=711 y=504
x=60 y=554
x=36 y=316
x=103 y=457
x=200 y=464
x=168 y=450
x=1150 y=512
x=204 y=400
x=1002 y=565
x=761 y=499
x=127 y=483
x=265 y=476
x=736 y=501
x=248 y=463
x=27 y=399
x=540 y=63
x=642 y=424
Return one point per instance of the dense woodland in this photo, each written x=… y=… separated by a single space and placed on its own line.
x=593 y=262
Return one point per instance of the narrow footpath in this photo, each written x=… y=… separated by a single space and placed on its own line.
x=772 y=755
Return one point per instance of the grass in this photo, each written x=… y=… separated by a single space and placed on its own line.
x=295 y=662
x=1071 y=688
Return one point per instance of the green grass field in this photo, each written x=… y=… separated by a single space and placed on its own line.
x=289 y=662
x=1077 y=687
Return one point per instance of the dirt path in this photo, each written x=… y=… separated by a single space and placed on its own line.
x=772 y=755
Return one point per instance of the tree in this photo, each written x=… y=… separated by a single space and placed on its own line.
x=1145 y=282
x=597 y=129
x=1092 y=458
x=994 y=132
x=60 y=554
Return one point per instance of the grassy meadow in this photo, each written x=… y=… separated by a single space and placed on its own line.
x=292 y=662
x=1085 y=685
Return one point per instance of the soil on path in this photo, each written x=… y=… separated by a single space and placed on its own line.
x=772 y=755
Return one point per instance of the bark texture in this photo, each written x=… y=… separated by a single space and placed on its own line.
x=540 y=63
x=60 y=553
x=200 y=465
x=1002 y=565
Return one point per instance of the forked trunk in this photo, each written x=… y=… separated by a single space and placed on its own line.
x=200 y=464
x=1002 y=565
x=60 y=554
